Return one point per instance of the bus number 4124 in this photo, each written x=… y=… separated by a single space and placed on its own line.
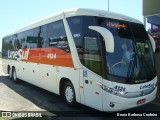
x=51 y=56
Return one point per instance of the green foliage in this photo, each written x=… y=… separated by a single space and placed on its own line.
x=7 y=46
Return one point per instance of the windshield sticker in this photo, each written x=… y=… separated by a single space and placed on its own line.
x=76 y=35
x=116 y=25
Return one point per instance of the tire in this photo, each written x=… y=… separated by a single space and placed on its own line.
x=10 y=73
x=14 y=75
x=69 y=94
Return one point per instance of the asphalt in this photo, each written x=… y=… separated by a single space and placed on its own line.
x=11 y=101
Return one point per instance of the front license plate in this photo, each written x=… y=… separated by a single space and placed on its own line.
x=142 y=101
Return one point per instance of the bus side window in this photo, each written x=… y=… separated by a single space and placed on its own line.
x=15 y=41
x=57 y=36
x=19 y=41
x=91 y=57
x=30 y=40
x=7 y=43
x=43 y=36
x=86 y=42
x=75 y=24
x=37 y=39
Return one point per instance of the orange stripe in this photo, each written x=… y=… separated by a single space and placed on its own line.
x=51 y=56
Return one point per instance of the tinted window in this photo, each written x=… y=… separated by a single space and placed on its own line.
x=87 y=42
x=43 y=36
x=75 y=24
x=139 y=31
x=8 y=43
x=28 y=39
x=91 y=55
x=37 y=37
x=19 y=40
x=79 y=28
x=57 y=36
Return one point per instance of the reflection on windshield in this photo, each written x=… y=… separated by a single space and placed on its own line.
x=122 y=58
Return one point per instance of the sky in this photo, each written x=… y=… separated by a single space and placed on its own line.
x=14 y=14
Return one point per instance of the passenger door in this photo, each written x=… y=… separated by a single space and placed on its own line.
x=92 y=73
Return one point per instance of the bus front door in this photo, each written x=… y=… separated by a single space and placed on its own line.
x=92 y=92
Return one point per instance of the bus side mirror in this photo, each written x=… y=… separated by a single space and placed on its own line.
x=108 y=37
x=152 y=42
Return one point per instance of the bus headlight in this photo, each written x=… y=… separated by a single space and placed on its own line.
x=122 y=92
x=107 y=89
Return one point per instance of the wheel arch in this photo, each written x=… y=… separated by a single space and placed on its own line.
x=13 y=67
x=63 y=81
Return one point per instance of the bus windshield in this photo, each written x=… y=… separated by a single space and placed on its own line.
x=133 y=55
x=132 y=60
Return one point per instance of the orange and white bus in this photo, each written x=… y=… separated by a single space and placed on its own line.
x=100 y=59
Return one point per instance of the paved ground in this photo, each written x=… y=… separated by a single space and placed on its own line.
x=11 y=100
x=26 y=97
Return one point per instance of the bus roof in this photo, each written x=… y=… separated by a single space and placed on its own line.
x=75 y=12
x=100 y=13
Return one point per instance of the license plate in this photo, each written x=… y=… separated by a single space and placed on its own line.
x=139 y=102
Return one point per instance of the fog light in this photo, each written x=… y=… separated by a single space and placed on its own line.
x=111 y=104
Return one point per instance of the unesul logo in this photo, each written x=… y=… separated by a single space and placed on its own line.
x=147 y=86
x=21 y=54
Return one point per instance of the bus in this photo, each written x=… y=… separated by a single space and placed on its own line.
x=100 y=59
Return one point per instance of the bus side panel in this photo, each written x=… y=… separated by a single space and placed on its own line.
x=32 y=74
x=28 y=72
x=48 y=78
x=49 y=59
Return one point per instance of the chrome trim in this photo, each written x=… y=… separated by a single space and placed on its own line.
x=126 y=94
x=137 y=94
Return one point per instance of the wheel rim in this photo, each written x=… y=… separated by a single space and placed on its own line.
x=69 y=94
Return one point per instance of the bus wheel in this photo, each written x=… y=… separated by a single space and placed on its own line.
x=14 y=76
x=69 y=94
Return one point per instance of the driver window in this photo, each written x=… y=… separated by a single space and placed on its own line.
x=91 y=56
